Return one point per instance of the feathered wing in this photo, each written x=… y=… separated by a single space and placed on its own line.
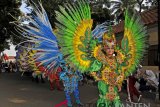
x=34 y=65
x=134 y=42
x=74 y=35
x=31 y=60
x=22 y=57
x=100 y=29
x=40 y=32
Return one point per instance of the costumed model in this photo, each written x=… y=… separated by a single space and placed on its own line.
x=95 y=51
x=48 y=53
x=22 y=59
x=70 y=79
x=54 y=79
x=37 y=71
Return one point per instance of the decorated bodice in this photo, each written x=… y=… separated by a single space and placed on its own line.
x=111 y=70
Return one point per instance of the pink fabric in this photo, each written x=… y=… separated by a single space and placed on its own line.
x=62 y=104
x=59 y=69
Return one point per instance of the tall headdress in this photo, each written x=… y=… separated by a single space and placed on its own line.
x=109 y=40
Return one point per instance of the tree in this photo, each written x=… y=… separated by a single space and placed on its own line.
x=8 y=11
x=149 y=4
x=118 y=7
x=100 y=11
x=98 y=7
x=50 y=6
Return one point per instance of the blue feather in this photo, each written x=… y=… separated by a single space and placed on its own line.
x=100 y=30
x=40 y=32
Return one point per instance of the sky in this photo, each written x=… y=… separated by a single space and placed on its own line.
x=11 y=52
x=22 y=8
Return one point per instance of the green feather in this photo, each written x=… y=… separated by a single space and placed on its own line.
x=139 y=33
x=69 y=18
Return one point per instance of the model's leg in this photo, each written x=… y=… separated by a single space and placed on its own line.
x=58 y=85
x=42 y=79
x=51 y=85
x=103 y=88
x=117 y=102
x=37 y=79
x=76 y=95
x=68 y=98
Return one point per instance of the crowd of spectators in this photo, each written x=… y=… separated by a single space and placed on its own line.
x=9 y=67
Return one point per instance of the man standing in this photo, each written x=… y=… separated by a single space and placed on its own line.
x=131 y=89
x=0 y=65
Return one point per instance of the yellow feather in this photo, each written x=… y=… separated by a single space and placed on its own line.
x=76 y=41
x=128 y=34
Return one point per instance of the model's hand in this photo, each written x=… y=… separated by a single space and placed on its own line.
x=93 y=73
x=119 y=88
x=98 y=79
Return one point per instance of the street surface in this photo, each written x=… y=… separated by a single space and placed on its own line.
x=17 y=91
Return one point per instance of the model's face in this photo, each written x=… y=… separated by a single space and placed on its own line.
x=109 y=47
x=110 y=51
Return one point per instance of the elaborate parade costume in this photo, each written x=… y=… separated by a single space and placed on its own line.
x=54 y=79
x=48 y=53
x=86 y=50
x=24 y=58
x=70 y=80
x=97 y=51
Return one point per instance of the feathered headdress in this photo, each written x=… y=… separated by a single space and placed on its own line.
x=109 y=40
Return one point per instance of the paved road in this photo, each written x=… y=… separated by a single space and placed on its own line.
x=17 y=91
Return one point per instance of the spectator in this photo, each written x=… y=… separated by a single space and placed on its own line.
x=1 y=66
x=14 y=67
x=151 y=78
x=36 y=76
x=143 y=86
x=6 y=67
x=11 y=66
x=131 y=89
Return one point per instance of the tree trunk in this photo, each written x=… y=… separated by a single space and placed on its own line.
x=140 y=8
x=0 y=56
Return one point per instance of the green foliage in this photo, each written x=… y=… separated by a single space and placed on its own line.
x=100 y=11
x=134 y=5
x=8 y=10
x=99 y=14
x=5 y=44
x=50 y=6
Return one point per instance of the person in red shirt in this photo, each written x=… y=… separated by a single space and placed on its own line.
x=54 y=79
x=131 y=89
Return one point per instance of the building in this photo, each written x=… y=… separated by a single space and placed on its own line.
x=7 y=59
x=11 y=58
